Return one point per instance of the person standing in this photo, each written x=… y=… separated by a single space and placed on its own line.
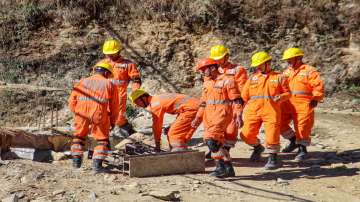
x=307 y=90
x=263 y=93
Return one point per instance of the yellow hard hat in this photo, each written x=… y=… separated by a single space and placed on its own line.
x=259 y=58
x=291 y=53
x=218 y=52
x=136 y=94
x=105 y=65
x=111 y=46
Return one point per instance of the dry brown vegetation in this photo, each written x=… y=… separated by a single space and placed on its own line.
x=54 y=42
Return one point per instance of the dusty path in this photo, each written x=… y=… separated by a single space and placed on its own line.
x=331 y=174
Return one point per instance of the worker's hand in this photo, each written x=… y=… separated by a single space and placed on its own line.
x=196 y=122
x=277 y=98
x=313 y=103
x=157 y=147
x=239 y=121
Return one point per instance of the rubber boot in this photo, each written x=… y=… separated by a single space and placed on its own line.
x=77 y=161
x=272 y=162
x=230 y=172
x=220 y=170
x=302 y=154
x=291 y=146
x=97 y=165
x=256 y=155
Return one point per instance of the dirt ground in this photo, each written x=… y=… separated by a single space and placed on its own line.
x=330 y=174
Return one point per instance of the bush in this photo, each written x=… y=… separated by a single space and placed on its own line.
x=34 y=16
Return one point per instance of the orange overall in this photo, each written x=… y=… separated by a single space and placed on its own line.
x=305 y=85
x=124 y=72
x=219 y=108
x=180 y=131
x=240 y=77
x=263 y=94
x=94 y=101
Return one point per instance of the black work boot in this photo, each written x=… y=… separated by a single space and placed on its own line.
x=77 y=161
x=301 y=155
x=230 y=172
x=256 y=155
x=97 y=165
x=220 y=170
x=272 y=162
x=291 y=146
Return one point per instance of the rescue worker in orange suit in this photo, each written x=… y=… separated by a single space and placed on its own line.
x=221 y=103
x=125 y=71
x=184 y=106
x=307 y=89
x=221 y=54
x=263 y=92
x=94 y=101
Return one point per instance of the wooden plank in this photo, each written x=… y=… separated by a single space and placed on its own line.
x=167 y=164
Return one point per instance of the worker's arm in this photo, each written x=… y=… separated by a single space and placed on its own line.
x=203 y=99
x=237 y=102
x=235 y=96
x=285 y=91
x=73 y=98
x=134 y=75
x=245 y=91
x=317 y=85
x=114 y=104
x=241 y=78
x=158 y=120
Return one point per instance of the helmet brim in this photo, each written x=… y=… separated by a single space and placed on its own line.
x=111 y=52
x=289 y=57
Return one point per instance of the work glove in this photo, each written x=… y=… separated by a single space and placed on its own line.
x=196 y=122
x=313 y=103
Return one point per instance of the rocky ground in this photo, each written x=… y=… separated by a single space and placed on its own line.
x=330 y=174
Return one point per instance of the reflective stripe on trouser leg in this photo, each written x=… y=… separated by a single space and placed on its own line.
x=272 y=149
x=101 y=150
x=177 y=146
x=77 y=147
x=219 y=154
x=288 y=134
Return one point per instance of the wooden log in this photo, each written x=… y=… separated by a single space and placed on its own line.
x=165 y=164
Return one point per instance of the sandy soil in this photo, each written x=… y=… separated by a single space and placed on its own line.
x=330 y=174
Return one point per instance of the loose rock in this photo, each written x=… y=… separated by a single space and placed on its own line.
x=57 y=192
x=12 y=198
x=166 y=195
x=282 y=181
x=59 y=156
x=92 y=196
